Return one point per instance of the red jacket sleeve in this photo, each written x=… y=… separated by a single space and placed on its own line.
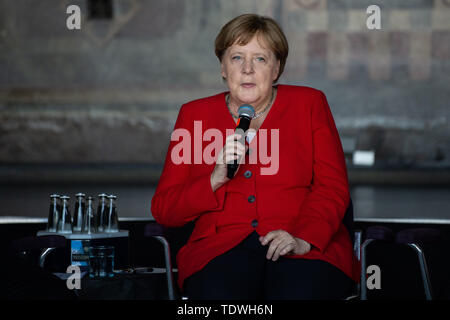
x=324 y=207
x=180 y=197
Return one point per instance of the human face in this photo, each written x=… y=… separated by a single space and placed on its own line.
x=249 y=71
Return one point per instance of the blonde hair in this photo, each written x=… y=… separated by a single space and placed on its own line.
x=243 y=28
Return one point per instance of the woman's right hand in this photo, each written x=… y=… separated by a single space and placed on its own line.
x=232 y=150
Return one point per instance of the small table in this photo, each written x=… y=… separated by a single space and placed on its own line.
x=85 y=236
x=124 y=286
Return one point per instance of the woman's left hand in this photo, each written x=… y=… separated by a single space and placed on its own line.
x=282 y=243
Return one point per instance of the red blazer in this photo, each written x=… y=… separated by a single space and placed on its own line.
x=307 y=196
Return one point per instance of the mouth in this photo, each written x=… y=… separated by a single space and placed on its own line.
x=248 y=85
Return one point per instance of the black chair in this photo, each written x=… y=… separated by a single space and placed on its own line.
x=413 y=238
x=159 y=232
x=171 y=239
x=42 y=245
x=26 y=273
x=373 y=233
x=166 y=236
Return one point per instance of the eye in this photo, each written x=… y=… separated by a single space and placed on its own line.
x=236 y=58
x=260 y=59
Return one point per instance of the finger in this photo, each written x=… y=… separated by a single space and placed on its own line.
x=234 y=147
x=269 y=237
x=237 y=151
x=287 y=249
x=233 y=137
x=276 y=253
x=230 y=158
x=270 y=251
x=221 y=156
x=283 y=247
x=304 y=247
x=274 y=244
x=230 y=155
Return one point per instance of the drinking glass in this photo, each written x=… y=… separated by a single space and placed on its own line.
x=101 y=261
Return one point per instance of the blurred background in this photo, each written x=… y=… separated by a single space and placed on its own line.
x=92 y=110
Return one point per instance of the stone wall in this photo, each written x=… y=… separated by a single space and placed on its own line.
x=110 y=92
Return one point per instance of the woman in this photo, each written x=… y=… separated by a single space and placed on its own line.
x=274 y=231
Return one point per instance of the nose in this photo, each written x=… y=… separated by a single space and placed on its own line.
x=247 y=66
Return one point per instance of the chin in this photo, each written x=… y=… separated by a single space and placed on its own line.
x=248 y=97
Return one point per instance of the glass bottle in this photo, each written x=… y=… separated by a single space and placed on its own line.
x=65 y=223
x=112 y=223
x=101 y=211
x=78 y=214
x=90 y=220
x=54 y=213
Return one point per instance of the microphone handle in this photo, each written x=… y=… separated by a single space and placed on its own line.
x=243 y=125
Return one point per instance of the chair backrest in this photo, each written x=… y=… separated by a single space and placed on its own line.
x=32 y=247
x=37 y=243
x=348 y=220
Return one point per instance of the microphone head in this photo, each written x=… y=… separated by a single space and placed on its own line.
x=246 y=110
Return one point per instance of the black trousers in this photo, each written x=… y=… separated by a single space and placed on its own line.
x=244 y=273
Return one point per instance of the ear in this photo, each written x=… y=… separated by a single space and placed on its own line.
x=223 y=71
x=276 y=70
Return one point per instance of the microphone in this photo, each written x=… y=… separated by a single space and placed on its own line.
x=246 y=113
